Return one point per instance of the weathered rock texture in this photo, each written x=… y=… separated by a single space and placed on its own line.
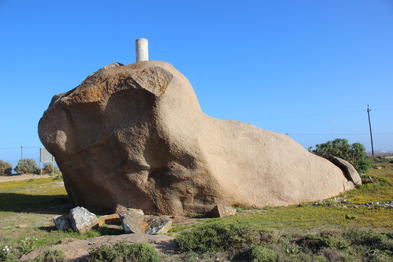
x=81 y=219
x=135 y=136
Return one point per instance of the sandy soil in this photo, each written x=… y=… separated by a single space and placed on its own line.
x=21 y=177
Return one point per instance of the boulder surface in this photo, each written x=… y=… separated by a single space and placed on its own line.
x=82 y=219
x=348 y=169
x=134 y=136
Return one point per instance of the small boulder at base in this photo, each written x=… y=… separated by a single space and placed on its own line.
x=158 y=225
x=62 y=222
x=222 y=211
x=133 y=222
x=82 y=219
x=135 y=210
x=347 y=168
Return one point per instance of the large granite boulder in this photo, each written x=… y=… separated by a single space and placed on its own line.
x=134 y=136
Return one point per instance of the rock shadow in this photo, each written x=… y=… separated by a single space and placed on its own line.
x=39 y=204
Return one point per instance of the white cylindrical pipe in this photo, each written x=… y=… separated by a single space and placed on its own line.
x=142 y=49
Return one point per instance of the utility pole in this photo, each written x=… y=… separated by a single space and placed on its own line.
x=371 y=132
x=21 y=152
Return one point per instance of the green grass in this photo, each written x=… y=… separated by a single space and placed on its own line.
x=306 y=217
x=26 y=211
x=27 y=208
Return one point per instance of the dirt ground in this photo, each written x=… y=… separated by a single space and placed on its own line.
x=21 y=177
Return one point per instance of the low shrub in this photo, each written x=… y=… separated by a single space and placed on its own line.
x=26 y=245
x=5 y=168
x=262 y=254
x=138 y=252
x=27 y=165
x=332 y=255
x=370 y=239
x=315 y=243
x=51 y=256
x=219 y=237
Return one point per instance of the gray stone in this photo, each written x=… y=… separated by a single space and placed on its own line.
x=349 y=171
x=222 y=211
x=82 y=219
x=158 y=225
x=62 y=222
x=133 y=222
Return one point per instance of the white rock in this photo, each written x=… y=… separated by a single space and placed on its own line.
x=82 y=219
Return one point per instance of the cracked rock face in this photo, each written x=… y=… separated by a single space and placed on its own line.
x=135 y=137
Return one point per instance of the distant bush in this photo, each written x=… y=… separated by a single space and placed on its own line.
x=5 y=168
x=27 y=166
x=51 y=256
x=354 y=153
x=138 y=252
x=48 y=169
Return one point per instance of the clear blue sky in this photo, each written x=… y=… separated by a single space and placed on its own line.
x=307 y=68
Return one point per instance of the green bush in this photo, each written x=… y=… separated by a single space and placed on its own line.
x=48 y=169
x=262 y=254
x=27 y=165
x=5 y=168
x=354 y=153
x=370 y=239
x=315 y=243
x=219 y=237
x=51 y=256
x=138 y=252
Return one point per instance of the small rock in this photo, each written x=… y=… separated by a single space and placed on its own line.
x=377 y=167
x=158 y=225
x=222 y=211
x=126 y=209
x=62 y=222
x=133 y=222
x=82 y=219
x=109 y=219
x=338 y=200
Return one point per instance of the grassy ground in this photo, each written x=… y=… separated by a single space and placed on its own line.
x=27 y=207
x=26 y=211
x=307 y=217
